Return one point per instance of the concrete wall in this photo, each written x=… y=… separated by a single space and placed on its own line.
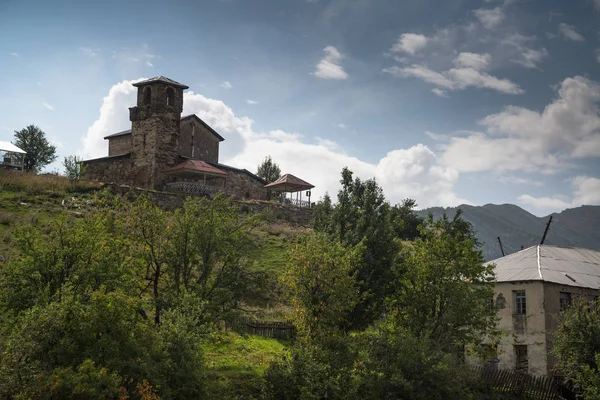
x=197 y=142
x=528 y=329
x=119 y=145
x=552 y=308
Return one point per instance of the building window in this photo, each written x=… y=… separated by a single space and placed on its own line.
x=521 y=361
x=520 y=302
x=147 y=95
x=170 y=96
x=565 y=300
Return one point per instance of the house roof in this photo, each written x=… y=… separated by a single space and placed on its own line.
x=207 y=126
x=122 y=133
x=196 y=166
x=11 y=148
x=570 y=266
x=242 y=171
x=161 y=79
x=194 y=116
x=289 y=183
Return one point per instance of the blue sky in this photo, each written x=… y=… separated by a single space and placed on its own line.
x=446 y=102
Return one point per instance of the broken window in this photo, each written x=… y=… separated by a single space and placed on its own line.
x=521 y=361
x=520 y=302
x=565 y=300
x=170 y=96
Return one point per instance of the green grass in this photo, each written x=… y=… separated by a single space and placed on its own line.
x=236 y=364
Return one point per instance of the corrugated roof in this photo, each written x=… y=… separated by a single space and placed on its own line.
x=161 y=79
x=571 y=266
x=290 y=183
x=8 y=146
x=196 y=166
x=122 y=133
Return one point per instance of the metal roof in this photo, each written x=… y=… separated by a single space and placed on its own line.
x=11 y=148
x=122 y=133
x=570 y=266
x=289 y=183
x=196 y=166
x=161 y=79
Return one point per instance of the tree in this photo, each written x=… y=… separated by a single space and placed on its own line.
x=268 y=170
x=576 y=344
x=405 y=221
x=73 y=167
x=39 y=151
x=444 y=288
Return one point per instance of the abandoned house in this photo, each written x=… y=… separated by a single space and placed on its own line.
x=166 y=151
x=533 y=287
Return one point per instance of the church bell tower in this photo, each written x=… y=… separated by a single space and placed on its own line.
x=155 y=129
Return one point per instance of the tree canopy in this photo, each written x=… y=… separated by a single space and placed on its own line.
x=39 y=151
x=269 y=170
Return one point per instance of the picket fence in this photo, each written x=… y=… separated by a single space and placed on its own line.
x=523 y=385
x=275 y=330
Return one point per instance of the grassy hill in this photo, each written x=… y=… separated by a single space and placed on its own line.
x=234 y=362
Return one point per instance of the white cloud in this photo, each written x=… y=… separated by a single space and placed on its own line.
x=131 y=55
x=330 y=65
x=518 y=180
x=88 y=51
x=15 y=54
x=149 y=64
x=438 y=137
x=409 y=43
x=252 y=102
x=226 y=85
x=439 y=92
x=457 y=78
x=530 y=58
x=570 y=33
x=490 y=18
x=521 y=139
x=414 y=172
x=342 y=125
x=48 y=106
x=586 y=191
x=472 y=60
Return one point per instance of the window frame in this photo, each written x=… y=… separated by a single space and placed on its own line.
x=520 y=302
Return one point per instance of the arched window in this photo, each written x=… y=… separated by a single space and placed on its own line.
x=147 y=95
x=170 y=96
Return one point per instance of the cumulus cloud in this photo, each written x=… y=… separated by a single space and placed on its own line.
x=569 y=32
x=518 y=138
x=48 y=106
x=226 y=85
x=409 y=43
x=330 y=66
x=530 y=58
x=456 y=78
x=490 y=18
x=586 y=191
x=413 y=172
x=472 y=60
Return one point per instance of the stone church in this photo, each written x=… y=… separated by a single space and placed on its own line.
x=166 y=151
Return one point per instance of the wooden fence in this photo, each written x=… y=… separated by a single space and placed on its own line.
x=276 y=330
x=522 y=385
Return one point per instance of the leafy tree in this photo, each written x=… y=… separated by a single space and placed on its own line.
x=405 y=221
x=268 y=170
x=443 y=287
x=322 y=214
x=39 y=151
x=73 y=167
x=576 y=344
x=322 y=285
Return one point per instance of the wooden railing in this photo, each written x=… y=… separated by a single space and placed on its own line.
x=271 y=329
x=193 y=188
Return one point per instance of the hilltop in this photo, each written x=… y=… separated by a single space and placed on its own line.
x=516 y=227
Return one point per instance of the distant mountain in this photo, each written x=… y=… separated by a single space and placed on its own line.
x=579 y=227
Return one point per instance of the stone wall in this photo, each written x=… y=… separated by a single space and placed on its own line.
x=108 y=169
x=197 y=142
x=119 y=145
x=242 y=186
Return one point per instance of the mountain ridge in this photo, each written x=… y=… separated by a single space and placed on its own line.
x=516 y=227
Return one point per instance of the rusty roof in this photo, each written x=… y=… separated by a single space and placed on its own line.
x=289 y=183
x=161 y=79
x=196 y=166
x=570 y=266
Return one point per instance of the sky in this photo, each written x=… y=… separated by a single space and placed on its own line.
x=453 y=102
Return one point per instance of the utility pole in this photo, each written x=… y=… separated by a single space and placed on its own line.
x=546 y=230
x=500 y=243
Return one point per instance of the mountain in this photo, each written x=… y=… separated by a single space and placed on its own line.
x=578 y=227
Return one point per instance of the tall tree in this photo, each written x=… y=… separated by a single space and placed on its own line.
x=73 y=167
x=269 y=170
x=39 y=151
x=405 y=221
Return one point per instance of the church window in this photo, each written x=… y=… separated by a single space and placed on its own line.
x=170 y=96
x=147 y=95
